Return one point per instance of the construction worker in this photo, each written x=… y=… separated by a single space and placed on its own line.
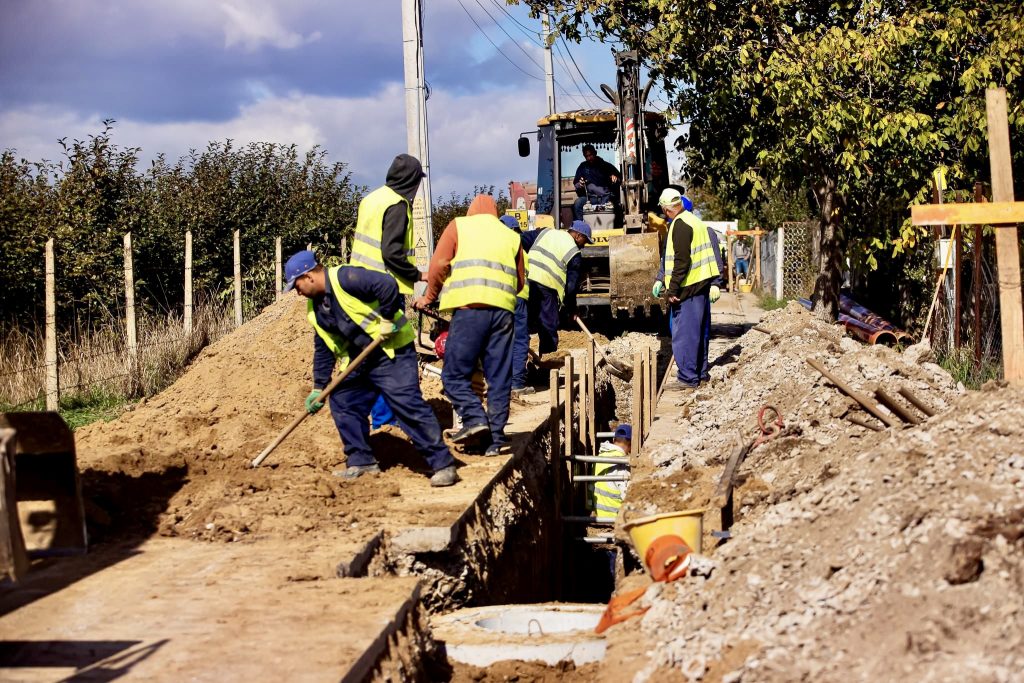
x=521 y=341
x=691 y=267
x=348 y=307
x=606 y=496
x=383 y=240
x=477 y=269
x=555 y=264
x=596 y=182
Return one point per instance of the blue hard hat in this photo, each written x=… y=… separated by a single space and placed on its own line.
x=510 y=221
x=687 y=204
x=298 y=265
x=623 y=432
x=582 y=228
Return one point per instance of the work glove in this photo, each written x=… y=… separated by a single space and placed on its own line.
x=312 y=404
x=714 y=293
x=387 y=329
x=658 y=288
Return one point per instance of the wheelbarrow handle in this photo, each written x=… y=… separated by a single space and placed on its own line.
x=331 y=386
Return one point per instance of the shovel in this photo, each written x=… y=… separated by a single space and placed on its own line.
x=615 y=366
x=323 y=395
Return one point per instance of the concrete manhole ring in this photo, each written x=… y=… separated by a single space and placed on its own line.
x=548 y=632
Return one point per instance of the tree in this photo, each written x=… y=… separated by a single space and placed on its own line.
x=454 y=205
x=860 y=100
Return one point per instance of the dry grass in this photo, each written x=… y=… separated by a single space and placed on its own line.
x=97 y=372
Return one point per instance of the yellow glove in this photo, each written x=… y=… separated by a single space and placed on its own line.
x=714 y=293
x=387 y=329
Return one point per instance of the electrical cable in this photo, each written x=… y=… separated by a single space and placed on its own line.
x=498 y=49
x=514 y=42
x=568 y=52
x=525 y=29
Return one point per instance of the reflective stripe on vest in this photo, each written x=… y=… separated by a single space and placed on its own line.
x=366 y=315
x=607 y=495
x=703 y=265
x=484 y=267
x=366 y=245
x=549 y=259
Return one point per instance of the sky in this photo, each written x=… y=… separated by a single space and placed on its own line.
x=176 y=75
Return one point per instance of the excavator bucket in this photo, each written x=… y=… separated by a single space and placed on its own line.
x=633 y=261
x=42 y=493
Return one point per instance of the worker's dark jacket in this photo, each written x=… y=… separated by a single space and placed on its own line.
x=598 y=177
x=365 y=285
x=404 y=177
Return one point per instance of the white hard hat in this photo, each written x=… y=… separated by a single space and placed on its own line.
x=670 y=196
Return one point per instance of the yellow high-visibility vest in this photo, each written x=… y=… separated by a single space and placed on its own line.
x=549 y=259
x=524 y=293
x=703 y=265
x=606 y=496
x=367 y=316
x=484 y=267
x=366 y=243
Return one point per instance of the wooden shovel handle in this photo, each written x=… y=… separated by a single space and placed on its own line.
x=323 y=395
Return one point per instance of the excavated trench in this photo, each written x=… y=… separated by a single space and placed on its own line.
x=510 y=580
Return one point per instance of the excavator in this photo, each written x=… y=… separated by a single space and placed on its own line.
x=620 y=266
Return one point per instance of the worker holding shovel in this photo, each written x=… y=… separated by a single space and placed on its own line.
x=349 y=307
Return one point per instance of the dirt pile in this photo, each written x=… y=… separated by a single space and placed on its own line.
x=178 y=462
x=856 y=555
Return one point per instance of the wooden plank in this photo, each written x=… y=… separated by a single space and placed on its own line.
x=13 y=557
x=238 y=279
x=651 y=370
x=582 y=429
x=637 y=417
x=728 y=258
x=978 y=249
x=591 y=394
x=1011 y=309
x=569 y=399
x=554 y=425
x=958 y=249
x=52 y=371
x=996 y=212
x=277 y=268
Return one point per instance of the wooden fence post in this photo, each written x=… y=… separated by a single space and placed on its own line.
x=585 y=381
x=238 y=279
x=52 y=371
x=129 y=299
x=979 y=244
x=591 y=395
x=638 y=402
x=188 y=282
x=1007 y=251
x=780 y=250
x=277 y=269
x=569 y=397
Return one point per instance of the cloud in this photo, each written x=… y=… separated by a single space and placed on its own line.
x=472 y=142
x=253 y=26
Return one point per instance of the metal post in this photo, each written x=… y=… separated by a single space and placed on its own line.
x=979 y=244
x=277 y=269
x=129 y=299
x=188 y=282
x=549 y=67
x=780 y=251
x=238 y=279
x=52 y=374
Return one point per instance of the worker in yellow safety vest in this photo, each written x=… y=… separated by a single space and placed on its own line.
x=691 y=269
x=348 y=307
x=606 y=496
x=383 y=240
x=556 y=260
x=521 y=342
x=477 y=270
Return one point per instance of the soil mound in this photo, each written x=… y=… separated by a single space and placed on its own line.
x=856 y=555
x=178 y=462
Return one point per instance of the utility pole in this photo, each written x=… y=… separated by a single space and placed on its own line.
x=416 y=125
x=549 y=68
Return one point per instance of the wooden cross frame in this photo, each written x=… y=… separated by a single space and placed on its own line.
x=1004 y=213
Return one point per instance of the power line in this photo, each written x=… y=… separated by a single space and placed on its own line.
x=498 y=49
x=514 y=41
x=530 y=33
x=568 y=52
x=568 y=71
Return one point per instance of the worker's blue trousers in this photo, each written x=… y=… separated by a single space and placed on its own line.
x=520 y=344
x=480 y=335
x=691 y=336
x=543 y=316
x=398 y=382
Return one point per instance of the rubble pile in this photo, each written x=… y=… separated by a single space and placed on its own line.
x=855 y=554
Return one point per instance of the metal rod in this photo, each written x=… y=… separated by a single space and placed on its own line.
x=601 y=477
x=597 y=539
x=589 y=520
x=605 y=435
x=868 y=404
x=861 y=422
x=900 y=412
x=599 y=459
x=917 y=403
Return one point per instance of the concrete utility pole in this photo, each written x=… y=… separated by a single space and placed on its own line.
x=549 y=67
x=416 y=125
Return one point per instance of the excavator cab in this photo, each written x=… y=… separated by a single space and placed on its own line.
x=621 y=265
